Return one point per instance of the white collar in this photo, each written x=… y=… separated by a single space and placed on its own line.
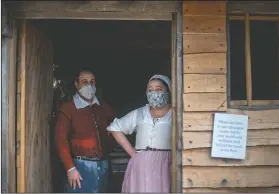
x=81 y=103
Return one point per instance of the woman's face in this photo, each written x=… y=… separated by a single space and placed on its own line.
x=156 y=85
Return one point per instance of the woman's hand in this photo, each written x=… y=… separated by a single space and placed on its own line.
x=123 y=142
x=74 y=178
x=132 y=151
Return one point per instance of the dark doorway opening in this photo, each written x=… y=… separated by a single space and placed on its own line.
x=122 y=54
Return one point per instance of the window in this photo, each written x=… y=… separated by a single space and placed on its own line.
x=254 y=60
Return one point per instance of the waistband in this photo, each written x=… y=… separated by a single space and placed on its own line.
x=89 y=158
x=152 y=149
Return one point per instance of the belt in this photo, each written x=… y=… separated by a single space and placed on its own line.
x=87 y=158
x=152 y=149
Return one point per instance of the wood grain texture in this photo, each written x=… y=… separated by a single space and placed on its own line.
x=205 y=102
x=215 y=63
x=233 y=190
x=204 y=43
x=205 y=8
x=204 y=24
x=39 y=90
x=218 y=177
x=255 y=138
x=94 y=6
x=12 y=109
x=255 y=156
x=133 y=10
x=203 y=121
x=204 y=83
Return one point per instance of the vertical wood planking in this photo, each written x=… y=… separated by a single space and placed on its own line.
x=21 y=183
x=12 y=109
x=174 y=105
x=204 y=49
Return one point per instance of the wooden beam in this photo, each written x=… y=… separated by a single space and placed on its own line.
x=203 y=121
x=21 y=185
x=235 y=103
x=233 y=190
x=101 y=10
x=211 y=63
x=255 y=156
x=174 y=105
x=259 y=18
x=203 y=139
x=220 y=177
x=253 y=7
x=12 y=108
x=248 y=61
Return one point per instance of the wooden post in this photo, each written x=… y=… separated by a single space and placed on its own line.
x=248 y=61
x=21 y=129
x=12 y=109
x=174 y=104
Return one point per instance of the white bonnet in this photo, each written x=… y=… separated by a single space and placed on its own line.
x=163 y=78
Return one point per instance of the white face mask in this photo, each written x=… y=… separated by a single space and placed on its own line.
x=88 y=91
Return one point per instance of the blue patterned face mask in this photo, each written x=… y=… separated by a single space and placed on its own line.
x=157 y=99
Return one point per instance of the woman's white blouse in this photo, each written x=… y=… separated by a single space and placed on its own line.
x=154 y=133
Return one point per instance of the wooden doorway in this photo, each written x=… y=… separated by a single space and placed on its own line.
x=28 y=11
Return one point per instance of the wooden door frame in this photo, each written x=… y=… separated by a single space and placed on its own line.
x=162 y=10
x=8 y=101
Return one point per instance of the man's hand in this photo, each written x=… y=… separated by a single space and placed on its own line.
x=74 y=178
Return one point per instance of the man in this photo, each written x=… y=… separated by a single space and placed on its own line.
x=82 y=139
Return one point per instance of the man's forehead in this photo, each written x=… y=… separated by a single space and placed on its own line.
x=86 y=75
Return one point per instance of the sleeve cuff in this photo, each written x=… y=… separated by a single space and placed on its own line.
x=71 y=169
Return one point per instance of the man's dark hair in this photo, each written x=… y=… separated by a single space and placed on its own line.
x=80 y=71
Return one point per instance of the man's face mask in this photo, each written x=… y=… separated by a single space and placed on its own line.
x=88 y=91
x=157 y=99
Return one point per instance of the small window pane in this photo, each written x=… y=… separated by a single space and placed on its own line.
x=237 y=60
x=264 y=59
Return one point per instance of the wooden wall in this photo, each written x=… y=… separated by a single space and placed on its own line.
x=35 y=86
x=204 y=49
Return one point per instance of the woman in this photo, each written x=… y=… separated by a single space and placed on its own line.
x=149 y=167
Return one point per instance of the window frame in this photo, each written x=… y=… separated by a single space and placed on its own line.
x=249 y=103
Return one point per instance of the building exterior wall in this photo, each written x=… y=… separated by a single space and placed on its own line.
x=205 y=92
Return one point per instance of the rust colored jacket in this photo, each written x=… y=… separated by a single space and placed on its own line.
x=82 y=132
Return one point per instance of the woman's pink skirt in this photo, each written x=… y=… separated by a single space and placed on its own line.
x=148 y=171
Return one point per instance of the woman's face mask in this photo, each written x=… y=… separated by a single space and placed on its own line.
x=88 y=91
x=157 y=99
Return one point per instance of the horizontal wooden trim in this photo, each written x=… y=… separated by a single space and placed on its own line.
x=95 y=6
x=218 y=177
x=260 y=18
x=203 y=121
x=204 y=43
x=204 y=8
x=93 y=15
x=254 y=102
x=253 y=7
x=233 y=190
x=112 y=10
x=204 y=83
x=204 y=24
x=215 y=63
x=204 y=102
x=255 y=156
x=203 y=139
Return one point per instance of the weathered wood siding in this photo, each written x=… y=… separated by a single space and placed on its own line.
x=35 y=80
x=204 y=49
